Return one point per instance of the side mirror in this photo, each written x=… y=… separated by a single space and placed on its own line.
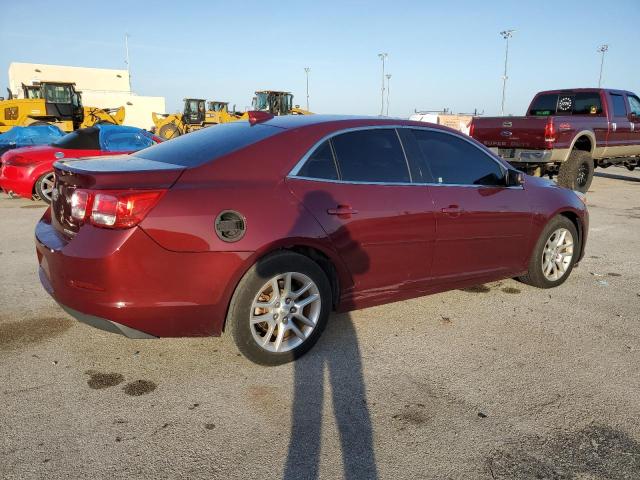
x=514 y=178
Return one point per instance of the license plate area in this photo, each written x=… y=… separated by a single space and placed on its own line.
x=507 y=152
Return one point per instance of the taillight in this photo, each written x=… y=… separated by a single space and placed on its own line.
x=549 y=131
x=472 y=128
x=18 y=161
x=79 y=202
x=113 y=208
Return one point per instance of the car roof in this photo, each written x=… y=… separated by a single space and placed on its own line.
x=296 y=121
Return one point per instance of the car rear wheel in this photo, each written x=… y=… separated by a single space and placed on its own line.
x=44 y=186
x=577 y=172
x=279 y=308
x=554 y=255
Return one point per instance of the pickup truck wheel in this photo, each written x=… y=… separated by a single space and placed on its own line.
x=577 y=172
x=554 y=255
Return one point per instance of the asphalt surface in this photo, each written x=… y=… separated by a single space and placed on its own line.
x=500 y=381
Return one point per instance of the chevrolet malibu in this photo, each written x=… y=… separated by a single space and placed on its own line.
x=260 y=229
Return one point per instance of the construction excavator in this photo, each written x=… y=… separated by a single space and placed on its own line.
x=53 y=103
x=195 y=116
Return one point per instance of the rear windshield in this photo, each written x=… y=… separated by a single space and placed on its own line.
x=581 y=103
x=84 y=139
x=208 y=144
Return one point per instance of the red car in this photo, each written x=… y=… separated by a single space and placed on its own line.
x=261 y=228
x=28 y=172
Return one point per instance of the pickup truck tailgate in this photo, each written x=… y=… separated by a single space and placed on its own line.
x=510 y=132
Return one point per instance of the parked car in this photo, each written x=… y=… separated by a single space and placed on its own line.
x=19 y=137
x=28 y=172
x=262 y=228
x=568 y=133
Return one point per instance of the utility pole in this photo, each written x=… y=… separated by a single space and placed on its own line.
x=602 y=49
x=382 y=57
x=388 y=75
x=306 y=71
x=506 y=34
x=126 y=47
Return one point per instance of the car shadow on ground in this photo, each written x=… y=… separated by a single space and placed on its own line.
x=339 y=356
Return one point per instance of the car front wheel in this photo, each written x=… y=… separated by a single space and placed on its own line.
x=279 y=308
x=554 y=255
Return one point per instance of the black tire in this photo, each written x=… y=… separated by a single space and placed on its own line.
x=535 y=276
x=238 y=323
x=43 y=187
x=169 y=131
x=577 y=172
x=38 y=123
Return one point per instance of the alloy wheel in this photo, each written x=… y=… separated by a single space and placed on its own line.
x=285 y=312
x=47 y=184
x=557 y=254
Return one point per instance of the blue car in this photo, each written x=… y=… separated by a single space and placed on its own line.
x=19 y=137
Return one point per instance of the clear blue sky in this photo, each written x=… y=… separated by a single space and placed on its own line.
x=441 y=54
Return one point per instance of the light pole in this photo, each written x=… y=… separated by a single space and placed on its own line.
x=506 y=34
x=602 y=49
x=382 y=57
x=306 y=72
x=126 y=47
x=388 y=75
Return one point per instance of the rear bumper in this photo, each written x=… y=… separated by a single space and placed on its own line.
x=523 y=155
x=123 y=282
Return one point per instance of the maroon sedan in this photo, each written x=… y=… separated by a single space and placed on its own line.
x=262 y=228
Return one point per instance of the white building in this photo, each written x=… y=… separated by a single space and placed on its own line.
x=100 y=87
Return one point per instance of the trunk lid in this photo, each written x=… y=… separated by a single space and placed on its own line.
x=123 y=172
x=511 y=132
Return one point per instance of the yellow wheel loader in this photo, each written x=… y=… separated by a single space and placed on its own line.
x=55 y=103
x=194 y=117
x=277 y=103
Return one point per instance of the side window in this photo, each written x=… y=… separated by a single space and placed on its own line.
x=634 y=103
x=587 y=103
x=320 y=164
x=373 y=155
x=453 y=160
x=619 y=108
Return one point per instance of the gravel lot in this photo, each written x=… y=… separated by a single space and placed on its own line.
x=500 y=381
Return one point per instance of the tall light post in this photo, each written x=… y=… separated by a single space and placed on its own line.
x=388 y=75
x=126 y=47
x=506 y=34
x=602 y=49
x=383 y=57
x=306 y=72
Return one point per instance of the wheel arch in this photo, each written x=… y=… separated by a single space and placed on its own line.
x=584 y=141
x=327 y=259
x=577 y=221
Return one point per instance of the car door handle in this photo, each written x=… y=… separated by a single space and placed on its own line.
x=452 y=210
x=342 y=210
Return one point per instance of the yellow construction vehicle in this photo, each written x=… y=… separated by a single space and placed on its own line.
x=194 y=117
x=277 y=103
x=55 y=103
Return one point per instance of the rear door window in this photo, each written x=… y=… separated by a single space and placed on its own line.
x=320 y=164
x=373 y=155
x=455 y=161
x=619 y=108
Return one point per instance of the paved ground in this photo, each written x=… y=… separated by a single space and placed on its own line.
x=502 y=381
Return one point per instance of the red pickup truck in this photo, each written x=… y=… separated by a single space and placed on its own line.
x=567 y=133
